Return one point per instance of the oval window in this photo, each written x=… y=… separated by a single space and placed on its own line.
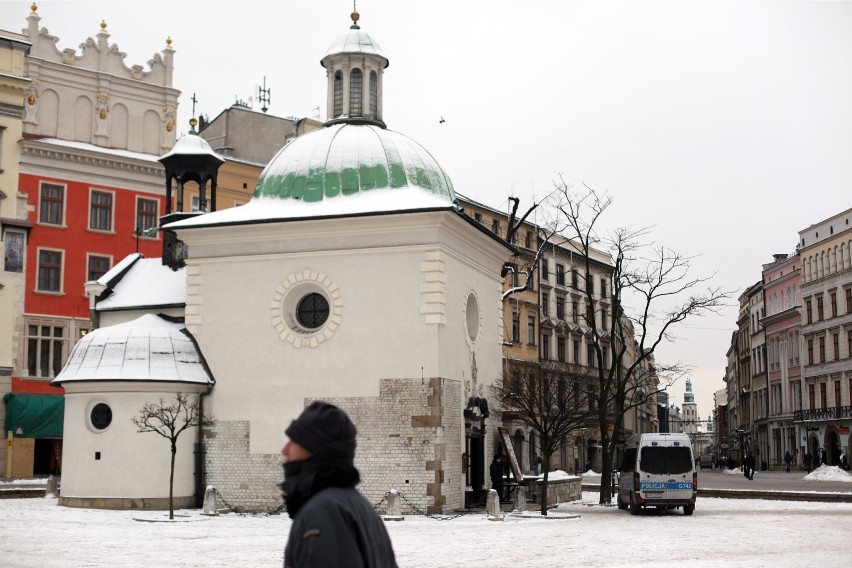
x=472 y=316
x=101 y=416
x=312 y=311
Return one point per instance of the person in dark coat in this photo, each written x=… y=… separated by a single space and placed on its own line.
x=748 y=466
x=788 y=459
x=496 y=472
x=809 y=461
x=333 y=524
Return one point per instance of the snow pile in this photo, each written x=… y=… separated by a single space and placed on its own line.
x=828 y=473
x=21 y=481
x=734 y=471
x=553 y=475
x=590 y=473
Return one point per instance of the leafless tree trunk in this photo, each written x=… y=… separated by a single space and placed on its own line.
x=170 y=419
x=552 y=402
x=652 y=291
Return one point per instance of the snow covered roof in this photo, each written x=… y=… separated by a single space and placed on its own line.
x=194 y=145
x=343 y=169
x=354 y=41
x=148 y=348
x=146 y=283
x=97 y=149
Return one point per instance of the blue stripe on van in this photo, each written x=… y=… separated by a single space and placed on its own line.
x=665 y=485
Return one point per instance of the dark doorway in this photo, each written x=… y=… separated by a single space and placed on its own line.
x=46 y=456
x=477 y=466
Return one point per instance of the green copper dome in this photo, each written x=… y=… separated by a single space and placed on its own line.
x=345 y=160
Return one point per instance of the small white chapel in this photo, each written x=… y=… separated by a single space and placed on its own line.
x=351 y=276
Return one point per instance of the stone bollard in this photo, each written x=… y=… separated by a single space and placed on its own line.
x=52 y=488
x=520 y=503
x=209 y=507
x=394 y=508
x=492 y=506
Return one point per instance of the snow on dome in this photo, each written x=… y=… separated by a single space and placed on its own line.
x=354 y=41
x=343 y=169
x=192 y=144
x=148 y=348
x=345 y=159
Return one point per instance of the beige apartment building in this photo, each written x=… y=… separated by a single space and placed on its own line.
x=826 y=415
x=14 y=226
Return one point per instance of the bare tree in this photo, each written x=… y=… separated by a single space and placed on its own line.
x=170 y=419
x=523 y=273
x=651 y=291
x=553 y=402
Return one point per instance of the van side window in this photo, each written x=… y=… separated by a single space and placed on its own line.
x=628 y=461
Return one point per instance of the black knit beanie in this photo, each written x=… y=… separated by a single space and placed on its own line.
x=324 y=426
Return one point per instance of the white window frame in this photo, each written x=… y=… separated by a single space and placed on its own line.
x=156 y=235
x=62 y=223
x=90 y=255
x=111 y=229
x=61 y=290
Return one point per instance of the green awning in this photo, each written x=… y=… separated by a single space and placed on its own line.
x=37 y=415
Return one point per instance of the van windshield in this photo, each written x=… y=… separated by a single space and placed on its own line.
x=665 y=459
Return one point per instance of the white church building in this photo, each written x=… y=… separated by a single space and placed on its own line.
x=351 y=276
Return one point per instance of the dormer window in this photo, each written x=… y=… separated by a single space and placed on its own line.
x=356 y=92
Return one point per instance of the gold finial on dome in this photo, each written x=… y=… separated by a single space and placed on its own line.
x=34 y=8
x=103 y=25
x=169 y=41
x=355 y=17
x=192 y=123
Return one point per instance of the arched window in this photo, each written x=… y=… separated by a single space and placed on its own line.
x=338 y=94
x=374 y=95
x=356 y=92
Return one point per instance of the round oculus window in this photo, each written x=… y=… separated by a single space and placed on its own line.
x=306 y=309
x=312 y=311
x=101 y=416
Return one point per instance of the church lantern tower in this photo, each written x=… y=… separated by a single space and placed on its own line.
x=355 y=64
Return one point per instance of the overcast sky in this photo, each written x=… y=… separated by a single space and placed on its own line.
x=727 y=126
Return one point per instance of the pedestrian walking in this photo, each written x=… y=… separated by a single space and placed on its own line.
x=809 y=461
x=496 y=471
x=748 y=466
x=333 y=524
x=788 y=459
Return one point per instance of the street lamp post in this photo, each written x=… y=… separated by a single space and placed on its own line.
x=584 y=449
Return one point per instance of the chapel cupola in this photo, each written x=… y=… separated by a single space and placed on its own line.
x=355 y=64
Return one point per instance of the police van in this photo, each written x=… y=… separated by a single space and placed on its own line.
x=657 y=470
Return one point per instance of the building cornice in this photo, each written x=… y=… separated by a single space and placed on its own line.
x=86 y=166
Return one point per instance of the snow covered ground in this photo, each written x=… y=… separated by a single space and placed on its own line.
x=722 y=532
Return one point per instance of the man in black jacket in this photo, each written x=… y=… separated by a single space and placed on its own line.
x=333 y=524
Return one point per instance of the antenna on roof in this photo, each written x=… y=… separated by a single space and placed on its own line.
x=264 y=95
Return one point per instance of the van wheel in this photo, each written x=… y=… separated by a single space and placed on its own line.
x=621 y=504
x=634 y=507
x=688 y=509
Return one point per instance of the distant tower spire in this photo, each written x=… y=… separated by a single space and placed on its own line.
x=688 y=396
